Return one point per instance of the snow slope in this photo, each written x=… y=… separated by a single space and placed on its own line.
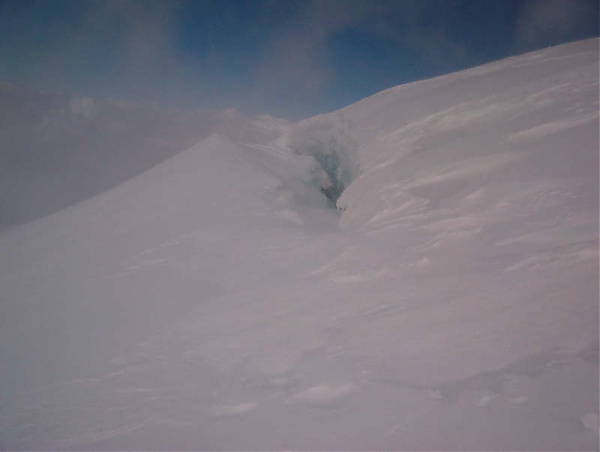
x=56 y=150
x=217 y=301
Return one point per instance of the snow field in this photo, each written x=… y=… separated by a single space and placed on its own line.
x=216 y=301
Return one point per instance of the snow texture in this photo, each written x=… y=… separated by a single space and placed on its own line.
x=215 y=302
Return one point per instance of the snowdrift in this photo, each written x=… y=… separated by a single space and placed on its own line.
x=217 y=301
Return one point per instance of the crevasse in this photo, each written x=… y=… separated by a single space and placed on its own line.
x=334 y=149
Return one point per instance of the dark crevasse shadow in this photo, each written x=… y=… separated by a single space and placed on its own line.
x=334 y=149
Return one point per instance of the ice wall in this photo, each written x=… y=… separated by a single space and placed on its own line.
x=330 y=142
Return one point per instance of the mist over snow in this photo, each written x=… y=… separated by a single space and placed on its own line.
x=58 y=150
x=416 y=271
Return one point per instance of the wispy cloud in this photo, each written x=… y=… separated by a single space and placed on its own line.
x=296 y=66
x=547 y=22
x=148 y=30
x=94 y=45
x=141 y=53
x=260 y=55
x=420 y=27
x=294 y=63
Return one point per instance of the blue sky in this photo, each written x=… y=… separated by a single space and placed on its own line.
x=290 y=58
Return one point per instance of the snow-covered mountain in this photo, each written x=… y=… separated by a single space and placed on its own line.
x=219 y=301
x=58 y=150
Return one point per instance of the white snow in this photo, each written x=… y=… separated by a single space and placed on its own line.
x=218 y=302
x=323 y=395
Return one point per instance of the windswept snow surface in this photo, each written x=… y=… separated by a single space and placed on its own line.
x=217 y=302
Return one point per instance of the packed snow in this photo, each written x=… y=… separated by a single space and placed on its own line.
x=219 y=301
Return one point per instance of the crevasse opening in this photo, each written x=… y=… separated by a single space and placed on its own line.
x=334 y=150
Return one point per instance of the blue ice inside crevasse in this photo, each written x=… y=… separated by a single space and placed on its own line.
x=334 y=150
